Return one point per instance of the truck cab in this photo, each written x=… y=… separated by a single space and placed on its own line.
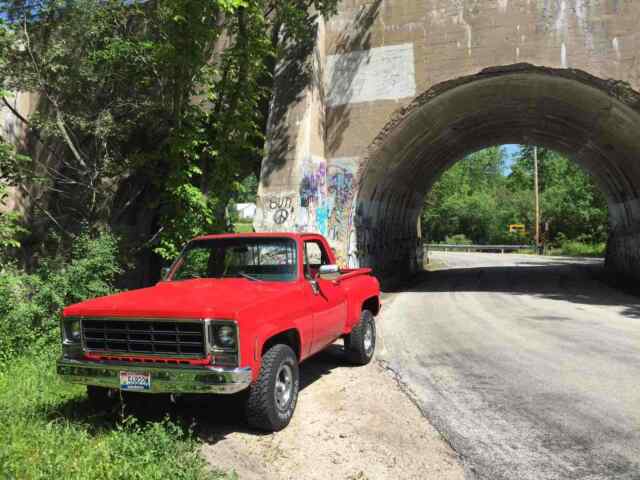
x=235 y=312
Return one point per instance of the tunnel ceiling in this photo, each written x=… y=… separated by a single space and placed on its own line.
x=592 y=121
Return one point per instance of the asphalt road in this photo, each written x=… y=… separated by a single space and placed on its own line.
x=528 y=366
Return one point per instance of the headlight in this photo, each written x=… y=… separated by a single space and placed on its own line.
x=224 y=336
x=71 y=329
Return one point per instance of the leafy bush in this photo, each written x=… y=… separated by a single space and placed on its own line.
x=572 y=248
x=10 y=227
x=31 y=303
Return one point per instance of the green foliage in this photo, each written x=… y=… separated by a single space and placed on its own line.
x=11 y=228
x=459 y=239
x=216 y=152
x=571 y=202
x=173 y=110
x=240 y=227
x=466 y=198
x=49 y=431
x=136 y=64
x=477 y=199
x=583 y=246
x=31 y=303
x=249 y=189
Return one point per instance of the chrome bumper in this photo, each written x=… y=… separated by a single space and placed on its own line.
x=164 y=378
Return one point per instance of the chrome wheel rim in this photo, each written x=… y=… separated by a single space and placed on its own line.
x=284 y=386
x=368 y=338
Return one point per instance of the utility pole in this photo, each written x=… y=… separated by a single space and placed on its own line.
x=537 y=196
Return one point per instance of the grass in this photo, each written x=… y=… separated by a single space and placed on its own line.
x=241 y=227
x=572 y=248
x=49 y=430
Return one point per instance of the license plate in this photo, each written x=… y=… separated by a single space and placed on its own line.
x=135 y=381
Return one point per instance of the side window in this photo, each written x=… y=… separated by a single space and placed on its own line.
x=314 y=257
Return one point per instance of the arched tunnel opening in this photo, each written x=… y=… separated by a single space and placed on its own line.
x=591 y=121
x=486 y=202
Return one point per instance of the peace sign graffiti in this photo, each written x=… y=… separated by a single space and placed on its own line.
x=280 y=216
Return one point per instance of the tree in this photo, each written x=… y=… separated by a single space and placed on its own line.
x=479 y=199
x=571 y=202
x=464 y=200
x=10 y=228
x=158 y=105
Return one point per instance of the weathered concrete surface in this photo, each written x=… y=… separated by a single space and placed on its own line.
x=401 y=89
x=527 y=365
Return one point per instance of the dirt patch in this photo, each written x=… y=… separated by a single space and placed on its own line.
x=350 y=423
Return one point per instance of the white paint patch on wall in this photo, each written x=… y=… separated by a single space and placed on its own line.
x=563 y=55
x=503 y=5
x=561 y=20
x=383 y=73
x=615 y=43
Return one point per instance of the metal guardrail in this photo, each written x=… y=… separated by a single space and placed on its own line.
x=476 y=248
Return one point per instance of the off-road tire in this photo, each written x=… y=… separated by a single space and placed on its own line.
x=360 y=346
x=99 y=398
x=261 y=408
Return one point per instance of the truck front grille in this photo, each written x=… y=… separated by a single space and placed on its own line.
x=144 y=337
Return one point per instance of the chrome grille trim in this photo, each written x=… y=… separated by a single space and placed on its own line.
x=145 y=336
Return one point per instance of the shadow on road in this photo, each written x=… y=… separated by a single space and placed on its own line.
x=563 y=280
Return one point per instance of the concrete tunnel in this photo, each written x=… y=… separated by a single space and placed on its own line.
x=394 y=92
x=592 y=121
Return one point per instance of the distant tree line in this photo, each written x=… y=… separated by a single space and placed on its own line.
x=481 y=195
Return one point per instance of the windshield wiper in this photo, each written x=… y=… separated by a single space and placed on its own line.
x=249 y=277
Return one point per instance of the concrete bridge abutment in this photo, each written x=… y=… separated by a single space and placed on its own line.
x=397 y=91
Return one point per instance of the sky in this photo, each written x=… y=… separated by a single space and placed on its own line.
x=510 y=150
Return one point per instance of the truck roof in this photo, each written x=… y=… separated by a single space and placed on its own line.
x=293 y=235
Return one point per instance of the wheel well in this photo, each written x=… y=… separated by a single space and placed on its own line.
x=288 y=337
x=372 y=304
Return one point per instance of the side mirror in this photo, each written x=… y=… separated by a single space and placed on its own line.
x=329 y=272
x=164 y=273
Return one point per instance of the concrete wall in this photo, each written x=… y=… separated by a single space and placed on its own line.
x=400 y=89
x=14 y=131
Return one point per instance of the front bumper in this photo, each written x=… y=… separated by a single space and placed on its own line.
x=164 y=378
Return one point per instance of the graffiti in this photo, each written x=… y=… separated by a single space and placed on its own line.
x=341 y=192
x=313 y=215
x=276 y=209
x=280 y=216
x=280 y=203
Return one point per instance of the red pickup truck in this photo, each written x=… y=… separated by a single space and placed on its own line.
x=234 y=313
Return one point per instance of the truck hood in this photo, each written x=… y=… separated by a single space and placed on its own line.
x=198 y=298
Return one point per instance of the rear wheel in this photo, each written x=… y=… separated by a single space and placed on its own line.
x=273 y=396
x=360 y=344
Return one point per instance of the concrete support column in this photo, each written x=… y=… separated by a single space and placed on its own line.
x=292 y=194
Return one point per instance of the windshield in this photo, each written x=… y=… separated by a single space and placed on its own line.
x=272 y=259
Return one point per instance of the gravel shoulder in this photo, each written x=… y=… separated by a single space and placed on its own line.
x=350 y=423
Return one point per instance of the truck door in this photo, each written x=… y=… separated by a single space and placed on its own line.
x=328 y=301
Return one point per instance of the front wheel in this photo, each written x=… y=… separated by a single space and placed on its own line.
x=273 y=396
x=361 y=342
